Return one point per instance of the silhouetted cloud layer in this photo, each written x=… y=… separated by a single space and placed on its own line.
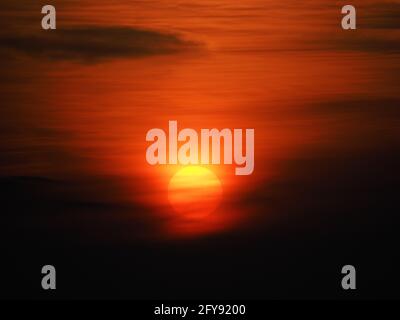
x=96 y=43
x=382 y=16
x=362 y=42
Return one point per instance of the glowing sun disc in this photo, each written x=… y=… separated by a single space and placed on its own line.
x=194 y=192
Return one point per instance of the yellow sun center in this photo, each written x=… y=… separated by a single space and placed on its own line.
x=194 y=192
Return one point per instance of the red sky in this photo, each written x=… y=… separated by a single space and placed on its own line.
x=286 y=68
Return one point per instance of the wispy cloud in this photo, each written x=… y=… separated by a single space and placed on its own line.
x=94 y=43
x=381 y=16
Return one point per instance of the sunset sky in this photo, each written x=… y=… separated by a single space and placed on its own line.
x=77 y=102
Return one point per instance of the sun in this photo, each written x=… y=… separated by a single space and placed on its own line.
x=194 y=192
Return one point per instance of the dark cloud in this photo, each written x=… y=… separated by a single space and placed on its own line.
x=370 y=43
x=96 y=43
x=332 y=189
x=354 y=40
x=385 y=16
x=372 y=108
x=377 y=30
x=58 y=208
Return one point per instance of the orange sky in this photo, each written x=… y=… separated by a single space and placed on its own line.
x=284 y=68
